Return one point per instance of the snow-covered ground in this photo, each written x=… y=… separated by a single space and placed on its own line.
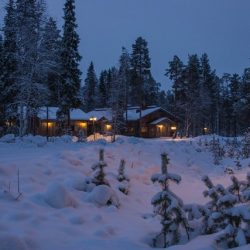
x=54 y=212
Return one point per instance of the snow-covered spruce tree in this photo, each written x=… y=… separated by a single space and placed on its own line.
x=121 y=172
x=237 y=218
x=245 y=188
x=235 y=187
x=70 y=58
x=223 y=216
x=99 y=174
x=217 y=150
x=211 y=208
x=169 y=207
x=123 y=178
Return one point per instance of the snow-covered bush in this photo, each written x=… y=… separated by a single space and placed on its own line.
x=99 y=174
x=169 y=207
x=245 y=152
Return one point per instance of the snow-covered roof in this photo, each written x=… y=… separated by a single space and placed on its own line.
x=100 y=114
x=75 y=114
x=158 y=121
x=134 y=114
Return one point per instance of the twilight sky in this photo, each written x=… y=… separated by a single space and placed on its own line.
x=219 y=27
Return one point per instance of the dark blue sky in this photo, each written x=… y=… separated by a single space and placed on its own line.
x=219 y=27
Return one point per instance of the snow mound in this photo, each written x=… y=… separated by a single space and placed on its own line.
x=9 y=138
x=37 y=140
x=9 y=242
x=103 y=195
x=58 y=197
x=66 y=138
x=83 y=185
x=134 y=140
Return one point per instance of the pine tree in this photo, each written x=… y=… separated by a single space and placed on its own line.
x=175 y=72
x=51 y=48
x=140 y=64
x=103 y=90
x=169 y=207
x=245 y=101
x=124 y=79
x=90 y=89
x=208 y=95
x=70 y=58
x=9 y=57
x=192 y=78
x=234 y=87
x=2 y=116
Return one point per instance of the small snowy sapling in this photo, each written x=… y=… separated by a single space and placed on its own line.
x=99 y=174
x=169 y=207
x=225 y=216
x=122 y=178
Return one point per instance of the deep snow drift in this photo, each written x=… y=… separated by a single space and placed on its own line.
x=58 y=208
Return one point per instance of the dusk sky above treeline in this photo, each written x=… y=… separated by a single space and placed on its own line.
x=221 y=28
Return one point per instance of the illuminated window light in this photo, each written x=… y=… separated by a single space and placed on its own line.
x=108 y=127
x=83 y=124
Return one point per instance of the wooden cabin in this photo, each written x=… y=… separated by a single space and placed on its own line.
x=151 y=122
x=48 y=123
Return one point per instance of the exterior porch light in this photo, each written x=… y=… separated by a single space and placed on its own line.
x=173 y=128
x=93 y=119
x=205 y=130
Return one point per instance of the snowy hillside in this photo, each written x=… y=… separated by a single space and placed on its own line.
x=55 y=211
